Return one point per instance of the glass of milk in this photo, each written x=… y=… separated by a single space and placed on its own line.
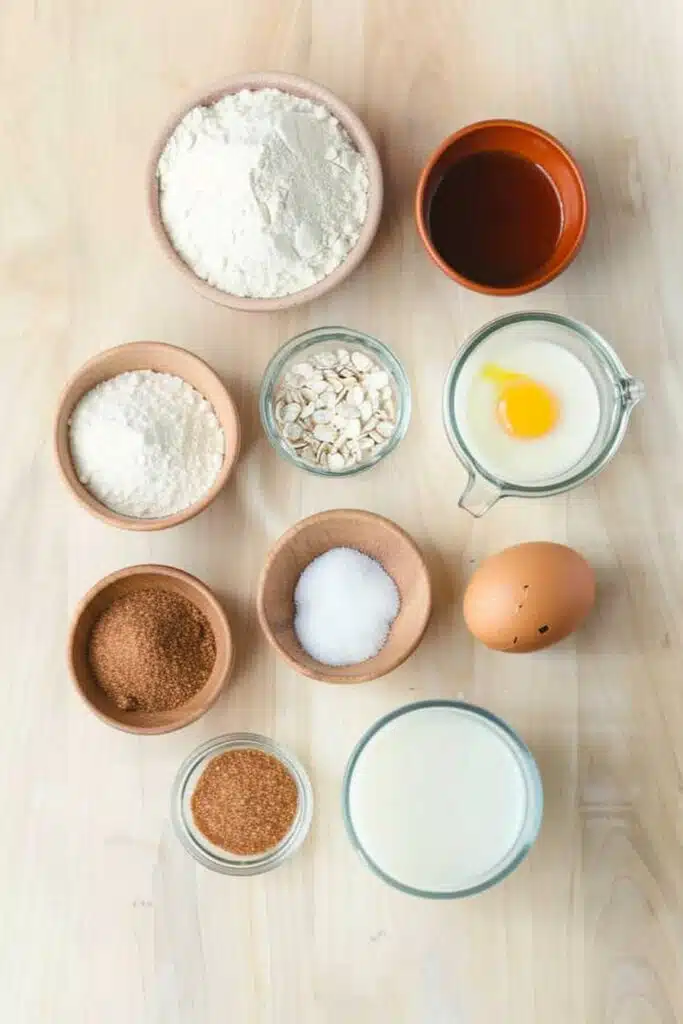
x=535 y=404
x=442 y=799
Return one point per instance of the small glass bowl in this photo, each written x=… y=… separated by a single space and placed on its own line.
x=533 y=811
x=306 y=345
x=206 y=852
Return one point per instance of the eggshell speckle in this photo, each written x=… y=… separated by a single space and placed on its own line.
x=529 y=596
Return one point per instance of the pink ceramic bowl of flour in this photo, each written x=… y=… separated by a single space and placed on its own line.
x=360 y=138
x=162 y=358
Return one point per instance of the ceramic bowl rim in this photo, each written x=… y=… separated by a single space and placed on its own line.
x=215 y=682
x=362 y=140
x=321 y=675
x=67 y=403
x=538 y=279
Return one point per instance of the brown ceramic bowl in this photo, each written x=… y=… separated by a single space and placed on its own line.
x=359 y=136
x=146 y=355
x=147 y=577
x=537 y=146
x=371 y=534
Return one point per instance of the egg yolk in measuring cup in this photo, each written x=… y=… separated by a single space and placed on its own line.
x=525 y=409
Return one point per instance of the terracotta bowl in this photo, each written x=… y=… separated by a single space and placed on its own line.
x=359 y=136
x=371 y=534
x=146 y=355
x=540 y=148
x=147 y=577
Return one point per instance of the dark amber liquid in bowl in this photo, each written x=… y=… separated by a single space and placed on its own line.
x=495 y=218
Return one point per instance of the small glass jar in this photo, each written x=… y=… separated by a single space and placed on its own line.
x=302 y=348
x=215 y=857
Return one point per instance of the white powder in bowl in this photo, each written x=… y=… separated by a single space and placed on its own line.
x=345 y=604
x=146 y=444
x=263 y=193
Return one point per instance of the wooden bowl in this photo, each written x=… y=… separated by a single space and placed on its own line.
x=374 y=536
x=540 y=148
x=146 y=355
x=125 y=581
x=359 y=136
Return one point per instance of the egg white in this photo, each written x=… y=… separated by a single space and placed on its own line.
x=535 y=460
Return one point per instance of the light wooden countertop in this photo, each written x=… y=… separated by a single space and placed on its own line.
x=104 y=917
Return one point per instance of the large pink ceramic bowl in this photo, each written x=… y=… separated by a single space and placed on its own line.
x=360 y=138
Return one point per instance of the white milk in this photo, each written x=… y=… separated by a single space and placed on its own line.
x=439 y=797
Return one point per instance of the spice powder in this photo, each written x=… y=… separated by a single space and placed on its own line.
x=151 y=650
x=245 y=801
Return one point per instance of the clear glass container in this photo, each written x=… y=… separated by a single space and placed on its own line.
x=618 y=394
x=533 y=799
x=206 y=852
x=322 y=339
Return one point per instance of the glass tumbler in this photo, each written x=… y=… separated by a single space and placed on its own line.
x=398 y=802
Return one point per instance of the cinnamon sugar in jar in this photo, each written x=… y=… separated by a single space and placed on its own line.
x=241 y=804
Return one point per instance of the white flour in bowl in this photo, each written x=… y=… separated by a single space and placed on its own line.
x=146 y=444
x=263 y=193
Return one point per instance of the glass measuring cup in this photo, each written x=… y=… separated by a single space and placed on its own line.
x=618 y=394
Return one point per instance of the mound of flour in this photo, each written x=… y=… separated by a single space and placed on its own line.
x=146 y=444
x=263 y=193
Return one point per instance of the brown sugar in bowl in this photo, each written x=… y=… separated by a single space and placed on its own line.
x=359 y=135
x=100 y=597
x=373 y=535
x=540 y=149
x=163 y=358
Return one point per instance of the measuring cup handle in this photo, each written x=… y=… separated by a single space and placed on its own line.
x=632 y=390
x=479 y=495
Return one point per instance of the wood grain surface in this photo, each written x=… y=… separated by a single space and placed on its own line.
x=104 y=918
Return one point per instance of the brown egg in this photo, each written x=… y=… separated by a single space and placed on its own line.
x=529 y=596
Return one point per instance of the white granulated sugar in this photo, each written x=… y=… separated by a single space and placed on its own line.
x=146 y=444
x=263 y=193
x=345 y=604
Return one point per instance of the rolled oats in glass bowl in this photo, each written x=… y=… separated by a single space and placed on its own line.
x=335 y=401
